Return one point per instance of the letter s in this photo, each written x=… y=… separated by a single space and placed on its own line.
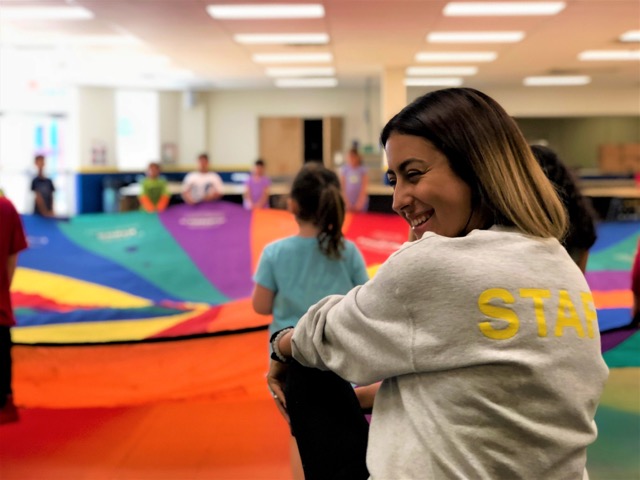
x=500 y=313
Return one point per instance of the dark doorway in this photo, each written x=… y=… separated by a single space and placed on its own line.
x=313 y=140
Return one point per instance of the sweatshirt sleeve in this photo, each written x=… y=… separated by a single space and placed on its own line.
x=359 y=274
x=364 y=336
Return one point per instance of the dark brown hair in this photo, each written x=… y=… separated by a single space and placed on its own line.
x=486 y=149
x=316 y=190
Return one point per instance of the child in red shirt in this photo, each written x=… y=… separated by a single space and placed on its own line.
x=12 y=241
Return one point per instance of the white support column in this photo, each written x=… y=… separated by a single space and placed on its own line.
x=393 y=96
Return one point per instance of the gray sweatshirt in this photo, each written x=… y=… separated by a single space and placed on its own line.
x=489 y=352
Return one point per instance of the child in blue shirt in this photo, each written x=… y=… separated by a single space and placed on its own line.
x=296 y=272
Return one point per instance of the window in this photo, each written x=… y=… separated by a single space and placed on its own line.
x=137 y=129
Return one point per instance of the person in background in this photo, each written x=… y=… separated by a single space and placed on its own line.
x=12 y=241
x=581 y=234
x=43 y=189
x=635 y=289
x=295 y=272
x=202 y=185
x=256 y=194
x=355 y=180
x=155 y=193
x=483 y=331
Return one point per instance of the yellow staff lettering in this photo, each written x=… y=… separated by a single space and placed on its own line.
x=500 y=313
x=538 y=295
x=589 y=311
x=567 y=315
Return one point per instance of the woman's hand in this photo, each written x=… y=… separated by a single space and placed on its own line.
x=366 y=395
x=276 y=379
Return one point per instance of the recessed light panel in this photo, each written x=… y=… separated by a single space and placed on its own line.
x=282 y=38
x=319 y=57
x=432 y=82
x=300 y=71
x=557 y=80
x=426 y=71
x=45 y=13
x=603 y=55
x=469 y=9
x=630 y=36
x=265 y=11
x=475 y=37
x=63 y=40
x=444 y=57
x=305 y=82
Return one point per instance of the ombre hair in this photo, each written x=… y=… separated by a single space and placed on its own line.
x=486 y=149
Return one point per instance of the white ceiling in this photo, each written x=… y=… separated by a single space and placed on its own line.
x=366 y=37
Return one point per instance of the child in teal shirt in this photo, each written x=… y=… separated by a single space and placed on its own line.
x=296 y=272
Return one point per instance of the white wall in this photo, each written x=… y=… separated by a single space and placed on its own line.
x=588 y=100
x=225 y=123
x=233 y=118
x=169 y=103
x=194 y=117
x=95 y=124
x=233 y=115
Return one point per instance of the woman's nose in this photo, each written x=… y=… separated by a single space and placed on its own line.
x=401 y=198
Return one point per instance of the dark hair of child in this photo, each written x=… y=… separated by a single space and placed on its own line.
x=316 y=190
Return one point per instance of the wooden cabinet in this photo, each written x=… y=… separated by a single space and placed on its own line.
x=282 y=143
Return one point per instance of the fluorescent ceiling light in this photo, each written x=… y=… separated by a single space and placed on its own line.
x=292 y=57
x=475 y=37
x=464 y=9
x=45 y=13
x=557 y=80
x=60 y=39
x=433 y=82
x=426 y=71
x=300 y=71
x=305 y=82
x=283 y=38
x=456 y=56
x=595 y=55
x=265 y=11
x=630 y=36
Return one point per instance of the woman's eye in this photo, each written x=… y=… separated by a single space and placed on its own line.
x=413 y=174
x=391 y=181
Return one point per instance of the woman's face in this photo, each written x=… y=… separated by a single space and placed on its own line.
x=427 y=193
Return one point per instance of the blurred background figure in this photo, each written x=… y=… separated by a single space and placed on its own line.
x=581 y=234
x=43 y=189
x=354 y=180
x=202 y=185
x=155 y=193
x=256 y=194
x=12 y=241
x=635 y=289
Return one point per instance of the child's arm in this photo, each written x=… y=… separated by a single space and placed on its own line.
x=362 y=196
x=343 y=189
x=42 y=206
x=264 y=198
x=246 y=196
x=262 y=300
x=163 y=202
x=146 y=203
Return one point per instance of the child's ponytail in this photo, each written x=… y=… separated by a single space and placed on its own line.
x=331 y=211
x=316 y=191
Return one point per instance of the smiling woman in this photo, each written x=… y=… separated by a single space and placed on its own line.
x=484 y=323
